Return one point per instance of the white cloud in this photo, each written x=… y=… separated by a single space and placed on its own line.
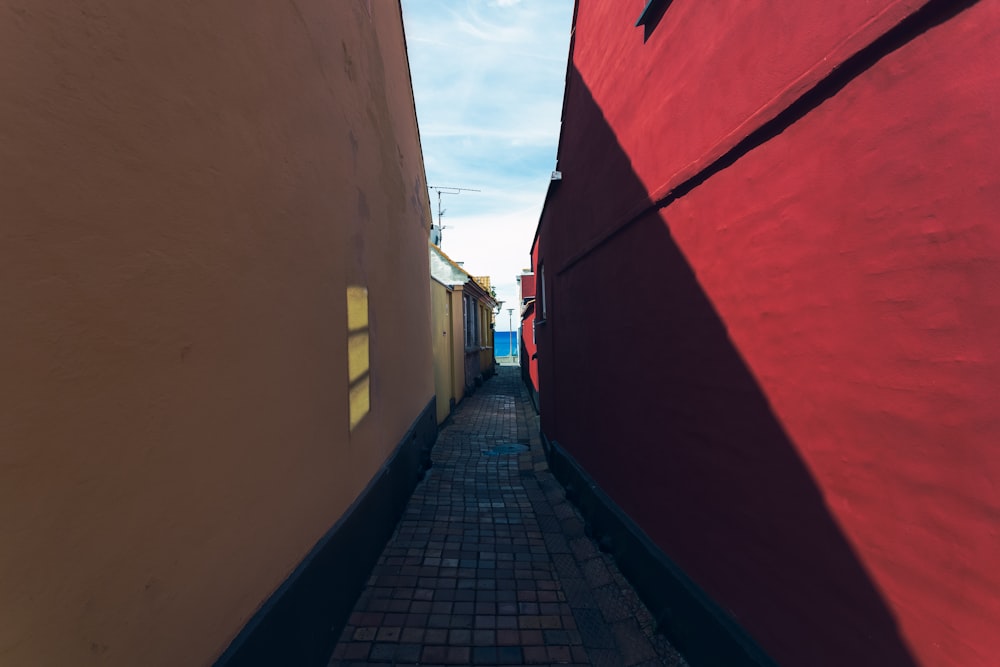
x=488 y=80
x=503 y=255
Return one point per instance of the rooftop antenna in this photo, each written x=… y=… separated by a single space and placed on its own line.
x=440 y=189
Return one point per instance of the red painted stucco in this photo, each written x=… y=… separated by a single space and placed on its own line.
x=529 y=349
x=527 y=286
x=795 y=390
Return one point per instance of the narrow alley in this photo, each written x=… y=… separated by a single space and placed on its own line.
x=490 y=563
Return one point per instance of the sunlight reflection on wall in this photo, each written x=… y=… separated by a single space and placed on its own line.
x=358 y=354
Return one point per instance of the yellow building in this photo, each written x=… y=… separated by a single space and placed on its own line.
x=481 y=299
x=200 y=362
x=462 y=330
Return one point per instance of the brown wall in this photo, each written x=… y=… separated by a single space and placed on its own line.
x=187 y=190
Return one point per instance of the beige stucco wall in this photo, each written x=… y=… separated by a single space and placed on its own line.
x=187 y=189
x=458 y=344
x=486 y=355
x=442 y=336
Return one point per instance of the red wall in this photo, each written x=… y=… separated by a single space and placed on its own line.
x=527 y=286
x=794 y=389
x=528 y=346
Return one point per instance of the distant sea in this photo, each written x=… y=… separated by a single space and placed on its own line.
x=502 y=342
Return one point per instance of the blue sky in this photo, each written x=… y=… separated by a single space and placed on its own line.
x=488 y=78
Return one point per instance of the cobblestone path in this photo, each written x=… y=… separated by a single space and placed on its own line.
x=490 y=564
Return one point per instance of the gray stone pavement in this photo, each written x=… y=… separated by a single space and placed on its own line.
x=490 y=564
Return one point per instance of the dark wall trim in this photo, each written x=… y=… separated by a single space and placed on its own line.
x=300 y=623
x=692 y=621
x=533 y=395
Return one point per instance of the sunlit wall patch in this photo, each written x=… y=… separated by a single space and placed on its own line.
x=358 y=354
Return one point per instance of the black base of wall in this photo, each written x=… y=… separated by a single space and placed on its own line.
x=300 y=623
x=696 y=626
x=533 y=395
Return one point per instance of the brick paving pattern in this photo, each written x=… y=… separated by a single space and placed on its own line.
x=490 y=564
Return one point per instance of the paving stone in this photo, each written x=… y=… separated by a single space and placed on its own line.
x=509 y=655
x=433 y=654
x=436 y=636
x=613 y=605
x=556 y=543
x=579 y=594
x=583 y=548
x=382 y=652
x=357 y=650
x=536 y=655
x=484 y=637
x=460 y=637
x=412 y=635
x=457 y=655
x=365 y=634
x=593 y=629
x=550 y=524
x=605 y=658
x=408 y=653
x=484 y=655
x=596 y=573
x=633 y=645
x=490 y=564
x=566 y=566
x=559 y=654
x=573 y=527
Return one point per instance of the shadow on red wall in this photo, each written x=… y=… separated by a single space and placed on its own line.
x=643 y=386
